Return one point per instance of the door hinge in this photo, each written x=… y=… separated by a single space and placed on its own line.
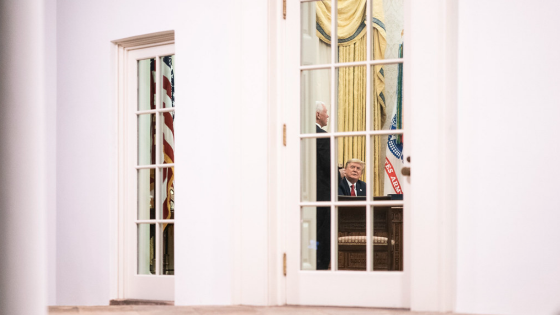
x=284 y=8
x=285 y=267
x=284 y=135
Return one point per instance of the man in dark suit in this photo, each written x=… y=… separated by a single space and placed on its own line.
x=323 y=155
x=351 y=185
x=323 y=189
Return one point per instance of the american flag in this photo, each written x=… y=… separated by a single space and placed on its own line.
x=168 y=137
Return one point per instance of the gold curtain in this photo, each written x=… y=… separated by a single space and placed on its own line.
x=351 y=14
x=352 y=46
x=352 y=102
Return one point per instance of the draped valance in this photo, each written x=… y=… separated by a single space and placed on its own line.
x=351 y=20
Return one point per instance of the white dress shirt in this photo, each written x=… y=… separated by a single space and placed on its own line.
x=350 y=185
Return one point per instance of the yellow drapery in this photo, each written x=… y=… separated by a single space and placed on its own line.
x=351 y=14
x=352 y=46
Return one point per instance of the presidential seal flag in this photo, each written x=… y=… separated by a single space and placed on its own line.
x=393 y=163
x=394 y=154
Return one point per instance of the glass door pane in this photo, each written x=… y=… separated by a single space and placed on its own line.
x=146 y=85
x=315 y=48
x=168 y=249
x=316 y=101
x=343 y=114
x=351 y=238
x=387 y=238
x=146 y=249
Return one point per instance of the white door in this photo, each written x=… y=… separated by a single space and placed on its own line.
x=345 y=112
x=149 y=194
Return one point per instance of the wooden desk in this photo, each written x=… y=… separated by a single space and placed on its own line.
x=387 y=223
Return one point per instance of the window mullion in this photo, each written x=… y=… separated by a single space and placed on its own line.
x=369 y=166
x=154 y=221
x=155 y=166
x=157 y=106
x=382 y=132
x=157 y=187
x=334 y=105
x=354 y=64
x=154 y=111
x=157 y=140
x=374 y=203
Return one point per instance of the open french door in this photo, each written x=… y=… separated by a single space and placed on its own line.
x=148 y=261
x=345 y=108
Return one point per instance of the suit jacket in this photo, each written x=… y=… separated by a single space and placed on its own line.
x=344 y=188
x=323 y=194
x=323 y=167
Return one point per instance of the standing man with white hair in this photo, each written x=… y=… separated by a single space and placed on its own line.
x=323 y=189
x=323 y=154
x=322 y=117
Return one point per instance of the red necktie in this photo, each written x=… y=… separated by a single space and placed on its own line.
x=352 y=193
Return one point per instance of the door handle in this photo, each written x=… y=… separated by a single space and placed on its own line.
x=406 y=169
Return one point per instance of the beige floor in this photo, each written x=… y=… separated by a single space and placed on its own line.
x=230 y=310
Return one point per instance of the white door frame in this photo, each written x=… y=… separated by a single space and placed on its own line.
x=337 y=288
x=120 y=220
x=430 y=69
x=433 y=94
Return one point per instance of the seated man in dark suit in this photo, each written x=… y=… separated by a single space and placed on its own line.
x=351 y=185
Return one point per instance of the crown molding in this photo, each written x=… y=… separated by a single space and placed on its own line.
x=147 y=39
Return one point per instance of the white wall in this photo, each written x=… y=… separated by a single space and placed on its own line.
x=221 y=143
x=205 y=121
x=51 y=127
x=509 y=148
x=224 y=95
x=86 y=136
